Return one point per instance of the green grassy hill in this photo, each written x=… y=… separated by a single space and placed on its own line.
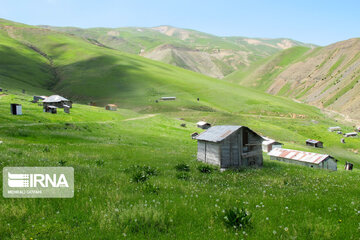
x=193 y=50
x=109 y=150
x=326 y=77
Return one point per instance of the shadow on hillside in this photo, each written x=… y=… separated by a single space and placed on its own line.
x=101 y=78
x=23 y=68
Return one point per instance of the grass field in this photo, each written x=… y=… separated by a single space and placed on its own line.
x=103 y=148
x=127 y=185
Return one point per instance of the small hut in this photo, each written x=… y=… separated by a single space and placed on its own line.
x=352 y=134
x=39 y=98
x=66 y=109
x=313 y=160
x=269 y=144
x=56 y=101
x=194 y=135
x=168 y=98
x=1 y=89
x=314 y=143
x=230 y=146
x=16 y=109
x=349 y=166
x=50 y=109
x=111 y=107
x=334 y=129
x=203 y=125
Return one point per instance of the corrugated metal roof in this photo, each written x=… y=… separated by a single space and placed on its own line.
x=268 y=141
x=217 y=133
x=55 y=98
x=315 y=158
x=312 y=141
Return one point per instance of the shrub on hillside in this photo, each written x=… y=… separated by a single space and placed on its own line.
x=203 y=168
x=183 y=176
x=237 y=218
x=182 y=167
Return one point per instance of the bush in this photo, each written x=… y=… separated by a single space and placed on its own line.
x=237 y=218
x=205 y=168
x=100 y=162
x=182 y=167
x=150 y=188
x=142 y=173
x=183 y=176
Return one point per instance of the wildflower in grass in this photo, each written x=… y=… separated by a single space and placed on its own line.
x=274 y=232
x=340 y=221
x=286 y=229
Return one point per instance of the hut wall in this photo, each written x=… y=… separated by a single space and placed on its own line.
x=208 y=152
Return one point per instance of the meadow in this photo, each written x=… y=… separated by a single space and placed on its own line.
x=107 y=151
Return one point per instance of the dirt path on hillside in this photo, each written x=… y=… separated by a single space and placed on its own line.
x=142 y=117
x=61 y=123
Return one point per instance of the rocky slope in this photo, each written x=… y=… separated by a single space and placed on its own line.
x=200 y=52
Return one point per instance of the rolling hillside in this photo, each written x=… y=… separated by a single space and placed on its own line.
x=326 y=77
x=127 y=178
x=193 y=50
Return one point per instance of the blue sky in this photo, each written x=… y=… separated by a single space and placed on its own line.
x=317 y=21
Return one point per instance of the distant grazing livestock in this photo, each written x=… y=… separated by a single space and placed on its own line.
x=230 y=146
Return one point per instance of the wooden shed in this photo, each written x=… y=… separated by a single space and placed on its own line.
x=352 y=134
x=230 y=146
x=314 y=143
x=111 y=107
x=168 y=98
x=313 y=160
x=269 y=144
x=334 y=129
x=56 y=101
x=50 y=109
x=16 y=109
x=203 y=125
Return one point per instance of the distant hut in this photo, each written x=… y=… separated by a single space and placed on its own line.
x=50 y=109
x=352 y=134
x=269 y=144
x=314 y=143
x=313 y=160
x=56 y=101
x=357 y=129
x=1 y=89
x=16 y=109
x=203 y=125
x=111 y=107
x=168 y=98
x=230 y=146
x=194 y=135
x=334 y=129
x=66 y=109
x=349 y=166
x=39 y=98
x=23 y=91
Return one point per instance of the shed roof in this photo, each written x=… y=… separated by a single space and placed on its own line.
x=308 y=157
x=313 y=141
x=55 y=98
x=219 y=133
x=202 y=123
x=111 y=105
x=268 y=141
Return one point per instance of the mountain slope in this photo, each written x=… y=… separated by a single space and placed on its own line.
x=200 y=52
x=86 y=72
x=326 y=77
